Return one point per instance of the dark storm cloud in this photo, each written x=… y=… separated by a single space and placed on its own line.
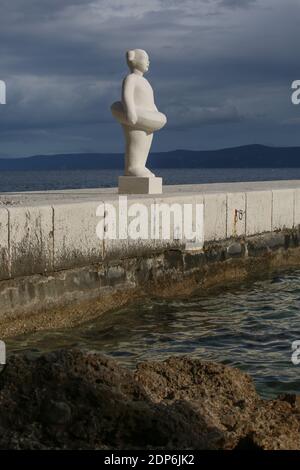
x=237 y=3
x=221 y=70
x=191 y=116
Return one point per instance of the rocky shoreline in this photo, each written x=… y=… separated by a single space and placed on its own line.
x=71 y=399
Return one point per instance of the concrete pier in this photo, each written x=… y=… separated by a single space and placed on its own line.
x=55 y=270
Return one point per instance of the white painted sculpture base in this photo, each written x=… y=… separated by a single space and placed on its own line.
x=140 y=185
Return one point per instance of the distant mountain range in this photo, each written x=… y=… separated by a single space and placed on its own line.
x=249 y=156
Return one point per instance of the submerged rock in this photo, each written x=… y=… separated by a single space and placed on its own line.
x=78 y=400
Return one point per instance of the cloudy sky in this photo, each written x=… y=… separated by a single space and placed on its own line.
x=221 y=70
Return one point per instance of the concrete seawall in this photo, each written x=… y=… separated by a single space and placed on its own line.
x=54 y=269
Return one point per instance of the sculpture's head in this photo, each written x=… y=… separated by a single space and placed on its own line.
x=138 y=59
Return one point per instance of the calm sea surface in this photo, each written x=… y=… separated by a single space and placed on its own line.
x=51 y=180
x=251 y=326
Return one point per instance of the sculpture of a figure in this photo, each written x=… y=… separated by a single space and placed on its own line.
x=137 y=114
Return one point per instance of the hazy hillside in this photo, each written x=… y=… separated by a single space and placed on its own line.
x=251 y=156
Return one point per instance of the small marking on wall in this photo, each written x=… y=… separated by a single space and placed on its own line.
x=238 y=216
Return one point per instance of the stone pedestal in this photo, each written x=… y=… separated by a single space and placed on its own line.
x=140 y=185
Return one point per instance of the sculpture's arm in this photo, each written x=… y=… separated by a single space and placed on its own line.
x=128 y=99
x=154 y=105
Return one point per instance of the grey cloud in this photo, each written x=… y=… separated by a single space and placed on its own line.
x=182 y=117
x=237 y=3
x=211 y=63
x=34 y=102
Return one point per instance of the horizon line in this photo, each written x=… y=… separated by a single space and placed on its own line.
x=156 y=152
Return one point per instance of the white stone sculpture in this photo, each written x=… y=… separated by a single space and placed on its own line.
x=139 y=118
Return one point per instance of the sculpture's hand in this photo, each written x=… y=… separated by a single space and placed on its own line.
x=132 y=117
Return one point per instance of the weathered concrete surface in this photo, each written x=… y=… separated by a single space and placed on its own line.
x=72 y=296
x=169 y=241
x=215 y=216
x=236 y=214
x=283 y=201
x=297 y=207
x=53 y=230
x=4 y=245
x=75 y=240
x=125 y=246
x=259 y=212
x=30 y=240
x=79 y=400
x=51 y=256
